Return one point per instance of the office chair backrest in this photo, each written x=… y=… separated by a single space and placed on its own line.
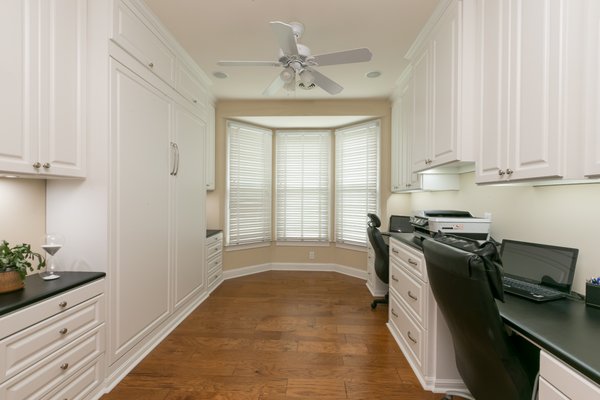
x=382 y=254
x=485 y=356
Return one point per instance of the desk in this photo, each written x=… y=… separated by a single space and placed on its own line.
x=567 y=329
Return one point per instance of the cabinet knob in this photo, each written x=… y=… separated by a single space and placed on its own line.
x=62 y=304
x=46 y=165
x=63 y=331
x=501 y=172
x=408 y=185
x=36 y=165
x=509 y=171
x=194 y=101
x=151 y=65
x=64 y=366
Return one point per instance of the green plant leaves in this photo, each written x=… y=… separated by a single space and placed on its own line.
x=18 y=258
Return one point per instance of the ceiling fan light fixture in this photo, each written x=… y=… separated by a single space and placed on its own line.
x=287 y=75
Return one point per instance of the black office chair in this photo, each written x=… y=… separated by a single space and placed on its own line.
x=464 y=285
x=382 y=255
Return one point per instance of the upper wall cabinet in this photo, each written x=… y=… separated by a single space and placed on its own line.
x=43 y=87
x=210 y=150
x=528 y=71
x=441 y=61
x=592 y=142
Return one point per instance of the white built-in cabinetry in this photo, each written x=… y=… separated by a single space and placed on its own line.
x=375 y=285
x=43 y=96
x=403 y=177
x=558 y=381
x=528 y=72
x=416 y=322
x=209 y=180
x=592 y=90
x=54 y=349
x=441 y=70
x=214 y=260
x=140 y=213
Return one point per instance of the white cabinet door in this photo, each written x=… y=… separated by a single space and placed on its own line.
x=190 y=193
x=43 y=82
x=592 y=139
x=397 y=155
x=210 y=150
x=141 y=118
x=421 y=81
x=18 y=69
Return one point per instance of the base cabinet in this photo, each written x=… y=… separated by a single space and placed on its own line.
x=417 y=324
x=558 y=381
x=214 y=260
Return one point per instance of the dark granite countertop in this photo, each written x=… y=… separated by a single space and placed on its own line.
x=212 y=232
x=408 y=239
x=37 y=289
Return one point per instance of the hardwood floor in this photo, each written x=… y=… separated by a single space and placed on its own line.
x=278 y=335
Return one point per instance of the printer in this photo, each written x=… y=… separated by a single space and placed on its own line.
x=461 y=223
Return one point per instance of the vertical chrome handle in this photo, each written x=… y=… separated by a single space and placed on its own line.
x=173 y=159
x=176 y=159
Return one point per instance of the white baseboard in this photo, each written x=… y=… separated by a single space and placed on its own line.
x=374 y=292
x=255 y=269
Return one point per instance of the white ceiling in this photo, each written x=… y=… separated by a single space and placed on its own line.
x=239 y=30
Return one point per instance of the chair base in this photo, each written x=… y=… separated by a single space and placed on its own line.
x=385 y=300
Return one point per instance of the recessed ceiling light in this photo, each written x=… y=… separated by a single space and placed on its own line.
x=220 y=75
x=373 y=74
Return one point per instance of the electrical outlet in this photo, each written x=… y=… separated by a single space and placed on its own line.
x=311 y=255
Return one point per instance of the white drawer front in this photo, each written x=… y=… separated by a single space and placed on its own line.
x=27 y=347
x=215 y=262
x=191 y=89
x=568 y=381
x=214 y=276
x=81 y=384
x=212 y=250
x=31 y=315
x=410 y=290
x=549 y=392
x=136 y=38
x=217 y=238
x=410 y=333
x=410 y=258
x=38 y=380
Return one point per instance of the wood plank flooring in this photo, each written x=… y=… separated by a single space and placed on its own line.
x=278 y=335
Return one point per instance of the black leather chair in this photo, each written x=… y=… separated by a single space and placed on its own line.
x=465 y=278
x=382 y=255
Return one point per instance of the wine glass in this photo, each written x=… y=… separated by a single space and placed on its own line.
x=52 y=243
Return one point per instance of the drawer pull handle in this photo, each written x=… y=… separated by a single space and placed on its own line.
x=395 y=251
x=151 y=65
x=412 y=296
x=394 y=278
x=394 y=313
x=62 y=304
x=412 y=339
x=64 y=366
x=63 y=331
x=412 y=262
x=216 y=248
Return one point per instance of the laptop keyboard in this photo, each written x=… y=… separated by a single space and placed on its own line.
x=530 y=290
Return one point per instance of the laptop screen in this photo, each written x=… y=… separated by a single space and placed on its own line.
x=400 y=223
x=552 y=266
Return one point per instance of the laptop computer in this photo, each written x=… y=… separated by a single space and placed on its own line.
x=536 y=271
x=400 y=223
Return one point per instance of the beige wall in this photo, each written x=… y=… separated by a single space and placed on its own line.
x=23 y=211
x=291 y=254
x=567 y=215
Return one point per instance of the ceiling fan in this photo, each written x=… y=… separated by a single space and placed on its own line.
x=298 y=63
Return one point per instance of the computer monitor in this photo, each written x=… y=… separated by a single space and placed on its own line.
x=543 y=264
x=400 y=223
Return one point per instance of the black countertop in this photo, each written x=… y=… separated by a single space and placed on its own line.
x=567 y=329
x=212 y=232
x=37 y=289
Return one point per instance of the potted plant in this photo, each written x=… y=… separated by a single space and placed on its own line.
x=14 y=263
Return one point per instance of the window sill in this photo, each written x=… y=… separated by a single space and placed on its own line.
x=351 y=247
x=247 y=246
x=303 y=244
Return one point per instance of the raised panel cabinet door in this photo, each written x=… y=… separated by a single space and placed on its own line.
x=210 y=149
x=538 y=82
x=141 y=118
x=492 y=90
x=62 y=132
x=592 y=134
x=396 y=147
x=410 y=180
x=18 y=133
x=421 y=82
x=190 y=193
x=444 y=87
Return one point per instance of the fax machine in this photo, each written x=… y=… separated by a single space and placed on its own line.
x=429 y=222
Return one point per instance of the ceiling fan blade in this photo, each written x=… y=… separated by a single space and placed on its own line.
x=249 y=64
x=285 y=37
x=343 y=57
x=274 y=87
x=325 y=83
